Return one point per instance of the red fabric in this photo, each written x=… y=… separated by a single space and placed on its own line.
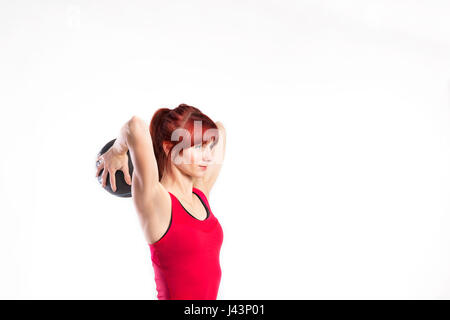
x=186 y=259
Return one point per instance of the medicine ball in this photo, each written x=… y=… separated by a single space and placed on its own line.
x=123 y=189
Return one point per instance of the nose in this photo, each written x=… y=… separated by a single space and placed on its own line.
x=207 y=155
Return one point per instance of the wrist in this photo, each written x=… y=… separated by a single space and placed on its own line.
x=119 y=148
x=120 y=145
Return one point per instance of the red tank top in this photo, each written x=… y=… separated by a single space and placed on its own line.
x=186 y=258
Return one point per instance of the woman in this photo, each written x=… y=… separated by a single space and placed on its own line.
x=171 y=183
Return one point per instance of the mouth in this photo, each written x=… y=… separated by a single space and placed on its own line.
x=203 y=167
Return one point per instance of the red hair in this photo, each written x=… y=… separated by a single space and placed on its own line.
x=165 y=121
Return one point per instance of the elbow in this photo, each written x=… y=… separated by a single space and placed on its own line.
x=134 y=125
x=134 y=121
x=221 y=127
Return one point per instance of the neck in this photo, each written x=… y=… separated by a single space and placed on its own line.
x=178 y=183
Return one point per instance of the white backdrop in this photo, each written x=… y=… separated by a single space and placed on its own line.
x=336 y=178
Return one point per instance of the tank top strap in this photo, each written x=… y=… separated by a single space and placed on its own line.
x=203 y=197
x=173 y=204
x=172 y=223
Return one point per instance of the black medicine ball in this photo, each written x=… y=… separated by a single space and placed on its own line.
x=123 y=189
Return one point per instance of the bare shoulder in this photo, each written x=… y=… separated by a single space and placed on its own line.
x=155 y=212
x=154 y=205
x=203 y=187
x=160 y=198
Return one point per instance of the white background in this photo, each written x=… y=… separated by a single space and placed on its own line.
x=335 y=183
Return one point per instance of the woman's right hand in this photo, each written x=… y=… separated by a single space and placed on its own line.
x=111 y=161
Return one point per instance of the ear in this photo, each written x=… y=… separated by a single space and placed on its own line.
x=166 y=147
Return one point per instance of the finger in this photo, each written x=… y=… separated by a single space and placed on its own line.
x=127 y=176
x=99 y=168
x=104 y=176
x=99 y=165
x=112 y=180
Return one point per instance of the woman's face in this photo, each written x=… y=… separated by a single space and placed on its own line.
x=196 y=159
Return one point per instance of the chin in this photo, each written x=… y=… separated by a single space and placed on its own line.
x=200 y=173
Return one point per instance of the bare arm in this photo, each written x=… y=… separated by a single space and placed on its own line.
x=207 y=181
x=120 y=145
x=149 y=195
x=140 y=145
